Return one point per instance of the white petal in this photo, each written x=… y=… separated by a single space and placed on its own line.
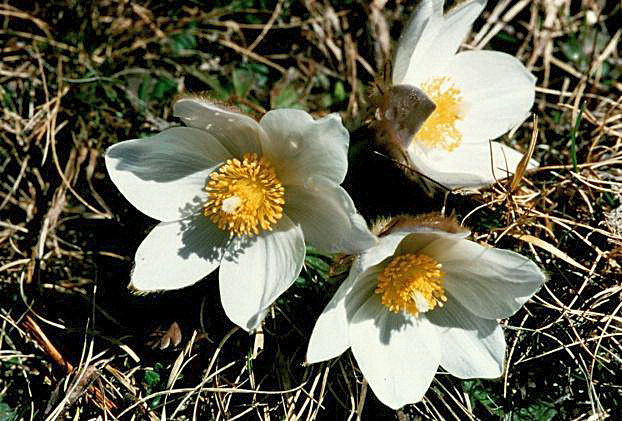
x=163 y=175
x=498 y=92
x=256 y=271
x=330 y=333
x=401 y=241
x=329 y=338
x=302 y=148
x=419 y=33
x=456 y=26
x=328 y=217
x=386 y=247
x=418 y=242
x=398 y=354
x=468 y=166
x=434 y=60
x=491 y=283
x=471 y=346
x=177 y=254
x=363 y=288
x=239 y=133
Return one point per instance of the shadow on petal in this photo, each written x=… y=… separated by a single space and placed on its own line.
x=199 y=235
x=236 y=246
x=167 y=156
x=386 y=323
x=392 y=324
x=454 y=315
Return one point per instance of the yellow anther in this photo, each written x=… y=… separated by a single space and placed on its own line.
x=412 y=283
x=439 y=130
x=245 y=196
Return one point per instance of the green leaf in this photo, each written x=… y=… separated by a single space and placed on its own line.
x=7 y=413
x=339 y=92
x=183 y=41
x=286 y=98
x=143 y=89
x=7 y=98
x=479 y=393
x=326 y=100
x=504 y=36
x=163 y=88
x=110 y=92
x=260 y=73
x=539 y=411
x=153 y=403
x=573 y=137
x=242 y=81
x=572 y=49
x=317 y=264
x=152 y=378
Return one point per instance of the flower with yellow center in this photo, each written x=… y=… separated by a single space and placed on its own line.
x=241 y=195
x=479 y=96
x=419 y=299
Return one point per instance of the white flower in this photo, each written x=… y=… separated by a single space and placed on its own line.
x=241 y=195
x=418 y=300
x=479 y=95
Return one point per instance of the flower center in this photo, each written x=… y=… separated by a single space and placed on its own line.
x=245 y=195
x=412 y=283
x=440 y=130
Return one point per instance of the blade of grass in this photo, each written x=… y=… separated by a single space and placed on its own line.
x=573 y=137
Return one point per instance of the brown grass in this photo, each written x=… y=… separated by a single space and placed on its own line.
x=76 y=77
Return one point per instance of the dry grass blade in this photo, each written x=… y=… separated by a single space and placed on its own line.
x=551 y=249
x=524 y=162
x=35 y=330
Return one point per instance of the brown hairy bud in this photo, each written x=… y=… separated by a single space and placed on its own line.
x=400 y=112
x=381 y=177
x=397 y=113
x=424 y=222
x=225 y=105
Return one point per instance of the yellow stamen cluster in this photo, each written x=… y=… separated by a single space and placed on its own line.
x=440 y=130
x=412 y=283
x=244 y=196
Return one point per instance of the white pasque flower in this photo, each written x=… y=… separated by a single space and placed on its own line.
x=418 y=300
x=242 y=195
x=479 y=95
